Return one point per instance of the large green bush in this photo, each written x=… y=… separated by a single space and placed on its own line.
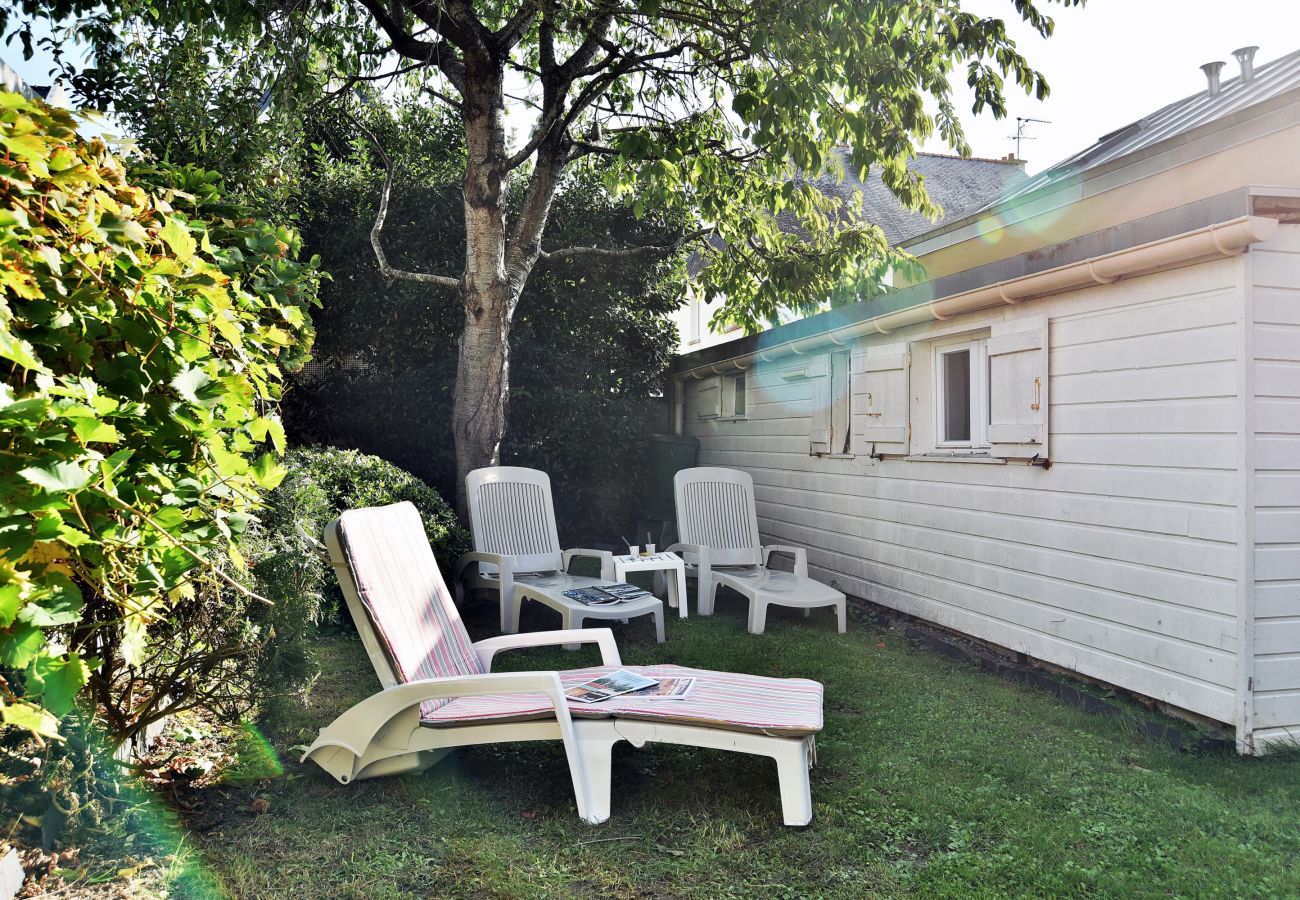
x=590 y=344
x=318 y=485
x=145 y=325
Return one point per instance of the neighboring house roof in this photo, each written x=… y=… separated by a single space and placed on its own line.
x=53 y=94
x=1270 y=80
x=958 y=185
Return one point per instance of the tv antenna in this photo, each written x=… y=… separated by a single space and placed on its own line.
x=1021 y=122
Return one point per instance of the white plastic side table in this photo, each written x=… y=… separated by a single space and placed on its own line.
x=657 y=562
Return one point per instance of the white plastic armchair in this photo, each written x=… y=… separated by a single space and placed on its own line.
x=717 y=520
x=512 y=519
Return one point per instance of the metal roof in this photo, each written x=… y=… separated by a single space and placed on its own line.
x=1270 y=80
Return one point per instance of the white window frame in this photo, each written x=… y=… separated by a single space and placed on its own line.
x=979 y=393
x=730 y=393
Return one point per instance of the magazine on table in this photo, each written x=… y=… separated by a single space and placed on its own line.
x=607 y=594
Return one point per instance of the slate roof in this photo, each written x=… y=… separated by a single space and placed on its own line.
x=960 y=186
x=1271 y=79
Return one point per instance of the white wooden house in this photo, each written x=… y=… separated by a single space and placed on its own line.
x=1080 y=438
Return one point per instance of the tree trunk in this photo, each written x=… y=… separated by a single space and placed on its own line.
x=483 y=366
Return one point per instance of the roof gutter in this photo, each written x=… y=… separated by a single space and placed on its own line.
x=1217 y=241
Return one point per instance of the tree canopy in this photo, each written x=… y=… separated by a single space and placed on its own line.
x=706 y=107
x=707 y=110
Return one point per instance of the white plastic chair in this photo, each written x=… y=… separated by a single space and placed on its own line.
x=517 y=552
x=717 y=524
x=439 y=691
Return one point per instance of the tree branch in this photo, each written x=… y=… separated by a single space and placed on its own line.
x=625 y=253
x=513 y=30
x=376 y=231
x=437 y=52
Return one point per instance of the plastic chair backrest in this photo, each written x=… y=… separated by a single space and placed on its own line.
x=398 y=599
x=511 y=513
x=715 y=508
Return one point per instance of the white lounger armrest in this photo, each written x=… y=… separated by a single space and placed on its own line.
x=799 y=553
x=486 y=649
x=606 y=560
x=355 y=729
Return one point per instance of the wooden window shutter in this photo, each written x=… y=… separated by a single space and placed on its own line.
x=819 y=434
x=708 y=398
x=1018 y=401
x=882 y=401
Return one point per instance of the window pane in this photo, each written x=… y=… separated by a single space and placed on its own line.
x=738 y=385
x=956 y=395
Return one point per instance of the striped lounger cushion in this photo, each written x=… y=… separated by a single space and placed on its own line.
x=409 y=605
x=788 y=707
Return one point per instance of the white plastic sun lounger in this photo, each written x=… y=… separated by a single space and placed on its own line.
x=517 y=552
x=717 y=524
x=439 y=691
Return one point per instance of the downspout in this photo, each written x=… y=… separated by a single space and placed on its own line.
x=679 y=406
x=1245 y=686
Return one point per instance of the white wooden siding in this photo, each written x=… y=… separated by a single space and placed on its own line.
x=1276 y=306
x=1120 y=561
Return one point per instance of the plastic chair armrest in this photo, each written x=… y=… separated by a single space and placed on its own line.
x=609 y=656
x=606 y=560
x=799 y=553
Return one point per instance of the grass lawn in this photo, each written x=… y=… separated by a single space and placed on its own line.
x=932 y=779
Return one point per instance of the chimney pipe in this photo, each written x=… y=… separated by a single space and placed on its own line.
x=1246 y=59
x=1211 y=70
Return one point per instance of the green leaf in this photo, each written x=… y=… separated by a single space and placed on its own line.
x=190 y=382
x=30 y=718
x=267 y=471
x=59 y=477
x=16 y=350
x=11 y=600
x=20 y=644
x=178 y=237
x=57 y=681
x=95 y=431
x=135 y=639
x=60 y=604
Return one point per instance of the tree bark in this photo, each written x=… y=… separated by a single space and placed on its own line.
x=483 y=365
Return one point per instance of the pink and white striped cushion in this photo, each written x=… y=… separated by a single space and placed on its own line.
x=410 y=607
x=779 y=706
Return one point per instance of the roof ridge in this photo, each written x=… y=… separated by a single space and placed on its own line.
x=988 y=159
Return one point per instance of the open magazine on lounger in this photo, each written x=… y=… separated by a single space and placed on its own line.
x=623 y=683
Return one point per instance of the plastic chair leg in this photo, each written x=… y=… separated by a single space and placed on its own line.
x=792 y=763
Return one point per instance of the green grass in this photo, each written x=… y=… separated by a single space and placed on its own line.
x=932 y=779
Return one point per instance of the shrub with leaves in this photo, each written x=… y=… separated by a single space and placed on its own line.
x=320 y=483
x=145 y=324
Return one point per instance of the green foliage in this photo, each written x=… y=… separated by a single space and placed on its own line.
x=698 y=108
x=318 y=485
x=589 y=345
x=146 y=324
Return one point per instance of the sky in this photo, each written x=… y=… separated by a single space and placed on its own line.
x=1108 y=64
x=1114 y=61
